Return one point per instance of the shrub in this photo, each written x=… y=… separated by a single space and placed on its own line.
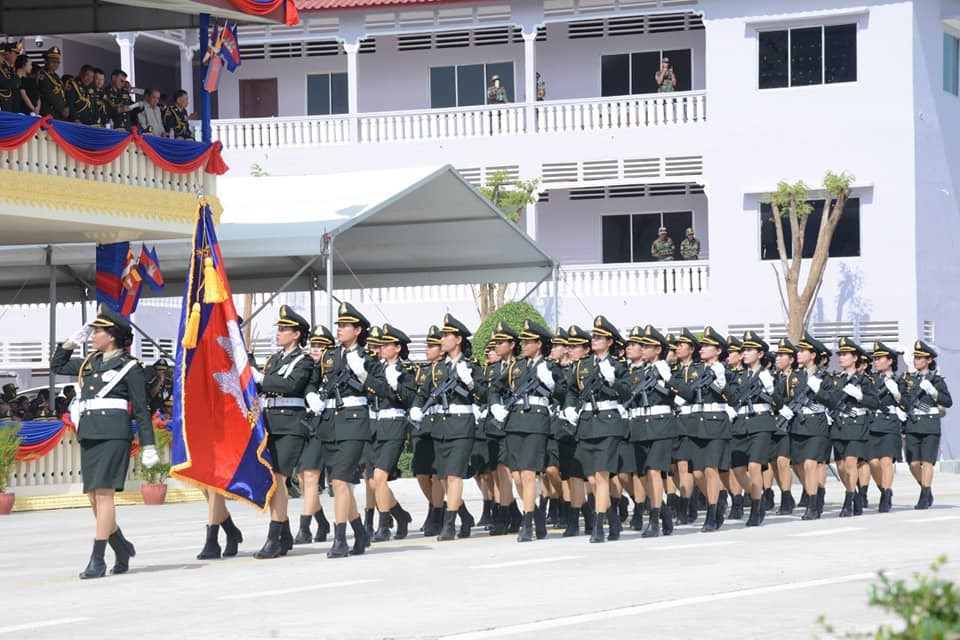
x=9 y=444
x=513 y=313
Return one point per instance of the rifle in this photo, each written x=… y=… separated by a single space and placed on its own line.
x=643 y=388
x=449 y=383
x=842 y=406
x=910 y=401
x=340 y=376
x=705 y=380
x=800 y=400
x=593 y=385
x=756 y=394
x=527 y=387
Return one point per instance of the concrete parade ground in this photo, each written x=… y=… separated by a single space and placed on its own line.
x=773 y=581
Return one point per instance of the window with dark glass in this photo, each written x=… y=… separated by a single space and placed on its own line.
x=615 y=231
x=466 y=85
x=774 y=68
x=951 y=64
x=623 y=74
x=840 y=53
x=846 y=237
x=807 y=56
x=628 y=238
x=326 y=94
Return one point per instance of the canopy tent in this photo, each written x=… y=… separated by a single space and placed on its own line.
x=359 y=230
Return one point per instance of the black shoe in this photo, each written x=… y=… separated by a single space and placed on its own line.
x=466 y=521
x=811 y=512
x=553 y=512
x=857 y=503
x=756 y=511
x=573 y=523
x=666 y=520
x=864 y=498
x=211 y=548
x=768 y=499
x=710 y=524
x=526 y=528
x=271 y=548
x=721 y=515
x=286 y=538
x=821 y=499
x=653 y=525
x=487 y=513
x=683 y=511
x=323 y=526
x=304 y=535
x=736 y=508
x=360 y=538
x=623 y=508
x=598 y=534
x=929 y=497
x=539 y=524
x=427 y=519
x=589 y=515
x=501 y=524
x=123 y=550
x=673 y=505
x=787 y=504
x=886 y=501
x=693 y=506
x=562 y=515
x=339 y=548
x=613 y=518
x=847 y=510
x=403 y=520
x=636 y=520
x=722 y=502
x=368 y=521
x=515 y=518
x=383 y=533
x=432 y=526
x=448 y=531
x=96 y=568
x=804 y=500
x=926 y=498
x=234 y=537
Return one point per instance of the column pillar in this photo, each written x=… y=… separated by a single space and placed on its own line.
x=353 y=49
x=530 y=77
x=126 y=40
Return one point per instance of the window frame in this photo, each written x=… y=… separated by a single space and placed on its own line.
x=630 y=54
x=943 y=63
x=631 y=214
x=859 y=197
x=306 y=93
x=823 y=23
x=456 y=82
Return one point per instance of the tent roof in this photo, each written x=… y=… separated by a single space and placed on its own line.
x=387 y=228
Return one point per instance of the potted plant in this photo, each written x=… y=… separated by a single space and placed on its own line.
x=153 y=489
x=9 y=444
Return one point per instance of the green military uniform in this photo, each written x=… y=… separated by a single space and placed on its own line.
x=178 y=121
x=115 y=99
x=81 y=99
x=496 y=380
x=850 y=416
x=53 y=99
x=663 y=247
x=424 y=454
x=480 y=458
x=495 y=94
x=690 y=247
x=9 y=82
x=312 y=456
x=924 y=410
x=886 y=423
x=808 y=425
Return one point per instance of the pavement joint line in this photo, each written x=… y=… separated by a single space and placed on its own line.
x=312 y=587
x=28 y=626
x=696 y=545
x=826 y=532
x=596 y=616
x=518 y=563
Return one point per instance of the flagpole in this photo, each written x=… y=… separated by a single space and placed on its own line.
x=207 y=133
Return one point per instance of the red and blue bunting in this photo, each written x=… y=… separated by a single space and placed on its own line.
x=266 y=7
x=39 y=437
x=95 y=146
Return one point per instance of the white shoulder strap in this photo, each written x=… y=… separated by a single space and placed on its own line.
x=293 y=363
x=110 y=385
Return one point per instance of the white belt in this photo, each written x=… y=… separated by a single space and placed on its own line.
x=102 y=404
x=540 y=401
x=603 y=405
x=293 y=403
x=702 y=408
x=853 y=413
x=655 y=410
x=807 y=411
x=458 y=410
x=890 y=410
x=389 y=414
x=757 y=408
x=349 y=401
x=434 y=410
x=934 y=411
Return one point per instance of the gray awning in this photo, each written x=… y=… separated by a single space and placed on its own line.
x=386 y=228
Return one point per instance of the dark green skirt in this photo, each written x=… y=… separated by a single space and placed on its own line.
x=104 y=464
x=526 y=451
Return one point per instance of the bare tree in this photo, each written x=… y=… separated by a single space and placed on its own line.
x=790 y=201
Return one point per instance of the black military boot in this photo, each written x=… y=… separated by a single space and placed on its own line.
x=804 y=499
x=368 y=521
x=653 y=525
x=573 y=523
x=886 y=500
x=613 y=518
x=623 y=508
x=211 y=548
x=403 y=520
x=683 y=510
x=502 y=522
x=847 y=510
x=526 y=528
x=323 y=526
x=598 y=533
x=864 y=498
x=487 y=512
x=673 y=504
x=821 y=499
x=382 y=534
x=769 y=500
x=736 y=508
x=756 y=513
x=722 y=501
x=636 y=520
x=123 y=550
x=553 y=511
x=666 y=520
x=432 y=526
x=787 y=504
x=360 y=538
x=562 y=515
x=693 y=506
x=234 y=537
x=922 y=501
x=427 y=518
x=448 y=531
x=721 y=515
x=811 y=512
x=304 y=535
x=589 y=514
x=710 y=524
x=271 y=548
x=96 y=568
x=515 y=518
x=466 y=521
x=857 y=503
x=540 y=523
x=339 y=548
x=286 y=537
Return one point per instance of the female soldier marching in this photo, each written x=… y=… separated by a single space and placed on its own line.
x=885 y=446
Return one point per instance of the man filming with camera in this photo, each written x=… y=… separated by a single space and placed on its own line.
x=121 y=107
x=666 y=78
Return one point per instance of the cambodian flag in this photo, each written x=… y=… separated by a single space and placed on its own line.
x=219 y=439
x=230 y=49
x=111 y=260
x=149 y=268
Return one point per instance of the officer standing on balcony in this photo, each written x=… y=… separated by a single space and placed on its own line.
x=9 y=80
x=496 y=93
x=663 y=247
x=53 y=99
x=690 y=247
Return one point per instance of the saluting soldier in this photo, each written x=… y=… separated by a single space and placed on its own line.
x=924 y=397
x=424 y=451
x=283 y=382
x=507 y=516
x=523 y=405
x=112 y=389
x=785 y=362
x=885 y=445
x=53 y=99
x=690 y=246
x=453 y=386
x=663 y=247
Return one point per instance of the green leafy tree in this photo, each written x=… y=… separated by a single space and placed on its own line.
x=513 y=313
x=511 y=197
x=790 y=202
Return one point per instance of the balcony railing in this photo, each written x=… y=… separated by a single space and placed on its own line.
x=555 y=116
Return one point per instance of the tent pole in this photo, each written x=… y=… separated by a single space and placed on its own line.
x=313 y=304
x=330 y=284
x=556 y=295
x=52 y=376
x=536 y=286
x=143 y=333
x=83 y=315
x=282 y=288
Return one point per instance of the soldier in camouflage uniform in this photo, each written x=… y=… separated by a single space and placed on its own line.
x=690 y=247
x=663 y=247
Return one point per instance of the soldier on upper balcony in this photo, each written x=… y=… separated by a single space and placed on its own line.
x=177 y=119
x=496 y=93
x=690 y=247
x=662 y=248
x=666 y=77
x=53 y=101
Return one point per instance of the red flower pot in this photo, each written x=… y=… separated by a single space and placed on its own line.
x=153 y=493
x=6 y=503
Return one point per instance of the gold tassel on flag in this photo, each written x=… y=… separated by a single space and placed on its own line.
x=192 y=329
x=213 y=289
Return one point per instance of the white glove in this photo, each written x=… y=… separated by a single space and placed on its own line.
x=893 y=388
x=814 y=383
x=257 y=375
x=355 y=362
x=149 y=456
x=499 y=412
x=392 y=374
x=314 y=403
x=623 y=412
x=731 y=413
x=545 y=376
x=663 y=369
x=607 y=371
x=679 y=401
x=787 y=413
x=927 y=386
x=853 y=391
x=766 y=380
x=416 y=414
x=80 y=336
x=570 y=415
x=464 y=373
x=720 y=375
x=901 y=414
